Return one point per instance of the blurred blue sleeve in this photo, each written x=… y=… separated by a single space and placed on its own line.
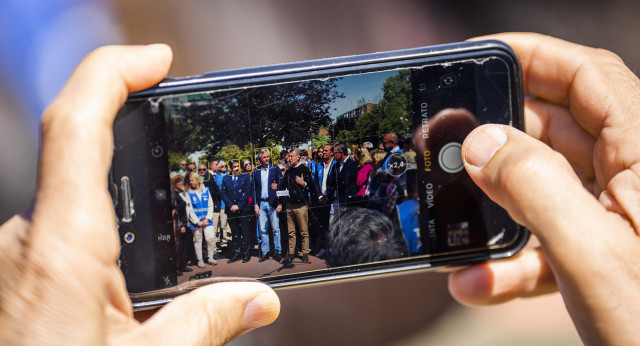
x=41 y=42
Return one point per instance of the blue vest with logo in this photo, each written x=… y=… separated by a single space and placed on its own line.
x=320 y=170
x=200 y=206
x=408 y=216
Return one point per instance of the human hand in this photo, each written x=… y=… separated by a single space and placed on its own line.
x=183 y=230
x=274 y=186
x=300 y=180
x=234 y=208
x=256 y=208
x=574 y=182
x=60 y=281
x=279 y=208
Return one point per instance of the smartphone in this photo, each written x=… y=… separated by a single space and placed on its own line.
x=311 y=172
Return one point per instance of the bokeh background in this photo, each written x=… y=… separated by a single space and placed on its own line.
x=42 y=40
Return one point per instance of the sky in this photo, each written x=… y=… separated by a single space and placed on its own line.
x=355 y=87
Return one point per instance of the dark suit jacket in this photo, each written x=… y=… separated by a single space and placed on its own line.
x=237 y=193
x=214 y=191
x=275 y=176
x=344 y=180
x=317 y=178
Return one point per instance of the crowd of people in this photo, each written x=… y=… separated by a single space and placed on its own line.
x=291 y=202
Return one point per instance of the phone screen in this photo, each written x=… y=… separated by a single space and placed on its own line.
x=348 y=169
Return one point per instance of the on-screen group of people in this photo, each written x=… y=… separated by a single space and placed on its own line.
x=224 y=202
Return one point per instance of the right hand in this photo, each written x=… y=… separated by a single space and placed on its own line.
x=234 y=208
x=257 y=210
x=574 y=182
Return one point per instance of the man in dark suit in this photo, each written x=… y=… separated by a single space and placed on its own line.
x=266 y=178
x=236 y=190
x=344 y=176
x=322 y=207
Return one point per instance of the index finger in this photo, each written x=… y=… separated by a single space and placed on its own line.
x=73 y=207
x=582 y=78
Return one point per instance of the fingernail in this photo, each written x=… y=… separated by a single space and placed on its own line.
x=261 y=311
x=483 y=144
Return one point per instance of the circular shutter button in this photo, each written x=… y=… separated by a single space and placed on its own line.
x=450 y=158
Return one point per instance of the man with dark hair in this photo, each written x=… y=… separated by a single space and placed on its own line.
x=267 y=205
x=322 y=212
x=213 y=166
x=297 y=180
x=359 y=235
x=344 y=177
x=236 y=190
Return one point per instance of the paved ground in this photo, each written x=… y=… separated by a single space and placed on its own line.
x=253 y=268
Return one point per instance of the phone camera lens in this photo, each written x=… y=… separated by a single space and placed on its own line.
x=448 y=80
x=129 y=237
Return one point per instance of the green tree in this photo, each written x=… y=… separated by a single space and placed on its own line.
x=347 y=137
x=269 y=116
x=230 y=152
x=391 y=114
x=174 y=161
x=320 y=140
x=289 y=113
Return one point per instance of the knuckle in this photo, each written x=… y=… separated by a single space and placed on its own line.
x=103 y=53
x=56 y=116
x=534 y=167
x=607 y=56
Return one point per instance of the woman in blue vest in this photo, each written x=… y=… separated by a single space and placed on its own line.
x=200 y=209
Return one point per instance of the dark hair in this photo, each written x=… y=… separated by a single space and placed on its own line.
x=342 y=149
x=358 y=235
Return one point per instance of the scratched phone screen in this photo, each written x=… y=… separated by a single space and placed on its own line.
x=309 y=175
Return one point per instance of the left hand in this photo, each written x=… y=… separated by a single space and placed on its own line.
x=60 y=282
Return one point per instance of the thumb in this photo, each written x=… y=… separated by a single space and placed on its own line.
x=213 y=315
x=539 y=189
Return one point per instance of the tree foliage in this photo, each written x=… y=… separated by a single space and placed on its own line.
x=320 y=140
x=391 y=114
x=271 y=116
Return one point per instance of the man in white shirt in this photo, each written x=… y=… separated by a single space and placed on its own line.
x=267 y=206
x=322 y=212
